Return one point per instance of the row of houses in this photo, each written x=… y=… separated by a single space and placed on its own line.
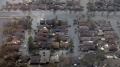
x=104 y=6
x=85 y=36
x=106 y=36
x=36 y=60
x=33 y=5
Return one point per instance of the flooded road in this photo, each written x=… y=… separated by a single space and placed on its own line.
x=64 y=16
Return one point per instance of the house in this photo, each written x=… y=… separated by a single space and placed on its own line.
x=111 y=41
x=88 y=45
x=83 y=24
x=108 y=37
x=44 y=60
x=14 y=42
x=64 y=44
x=18 y=33
x=117 y=54
x=43 y=26
x=107 y=29
x=61 y=27
x=84 y=31
x=44 y=30
x=60 y=33
x=65 y=59
x=42 y=34
x=74 y=60
x=76 y=3
x=21 y=30
x=85 y=35
x=41 y=38
x=69 y=3
x=85 y=39
x=42 y=21
x=20 y=27
x=36 y=2
x=54 y=59
x=55 y=45
x=108 y=33
x=104 y=25
x=14 y=7
x=83 y=27
x=82 y=21
x=34 y=7
x=48 y=22
x=38 y=44
x=112 y=47
x=46 y=45
x=98 y=22
x=56 y=3
x=24 y=59
x=63 y=38
x=34 y=60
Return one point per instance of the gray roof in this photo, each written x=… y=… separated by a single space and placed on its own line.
x=87 y=43
x=54 y=59
x=44 y=59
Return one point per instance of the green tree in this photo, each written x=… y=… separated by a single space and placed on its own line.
x=30 y=43
x=100 y=55
x=52 y=50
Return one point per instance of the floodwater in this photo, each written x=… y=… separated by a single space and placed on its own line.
x=62 y=15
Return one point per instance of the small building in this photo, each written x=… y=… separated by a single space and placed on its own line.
x=74 y=60
x=41 y=38
x=55 y=45
x=54 y=59
x=64 y=44
x=83 y=27
x=112 y=47
x=44 y=60
x=61 y=27
x=85 y=35
x=85 y=39
x=108 y=33
x=42 y=34
x=65 y=59
x=44 y=30
x=34 y=60
x=24 y=59
x=63 y=38
x=46 y=45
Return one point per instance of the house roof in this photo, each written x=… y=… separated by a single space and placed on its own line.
x=38 y=43
x=41 y=34
x=41 y=38
x=109 y=36
x=88 y=47
x=24 y=59
x=82 y=21
x=61 y=27
x=83 y=27
x=46 y=45
x=107 y=29
x=85 y=35
x=83 y=24
x=18 y=33
x=64 y=59
x=108 y=33
x=84 y=31
x=55 y=44
x=87 y=43
x=85 y=38
x=43 y=30
x=44 y=59
x=112 y=41
x=15 y=47
x=34 y=60
x=54 y=59
x=41 y=26
x=63 y=38
x=63 y=44
x=112 y=47
x=74 y=59
x=14 y=42
x=21 y=27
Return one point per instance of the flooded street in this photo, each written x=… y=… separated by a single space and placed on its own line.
x=64 y=16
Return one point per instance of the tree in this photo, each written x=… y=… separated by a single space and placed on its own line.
x=87 y=60
x=100 y=55
x=71 y=46
x=30 y=43
x=59 y=23
x=52 y=50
